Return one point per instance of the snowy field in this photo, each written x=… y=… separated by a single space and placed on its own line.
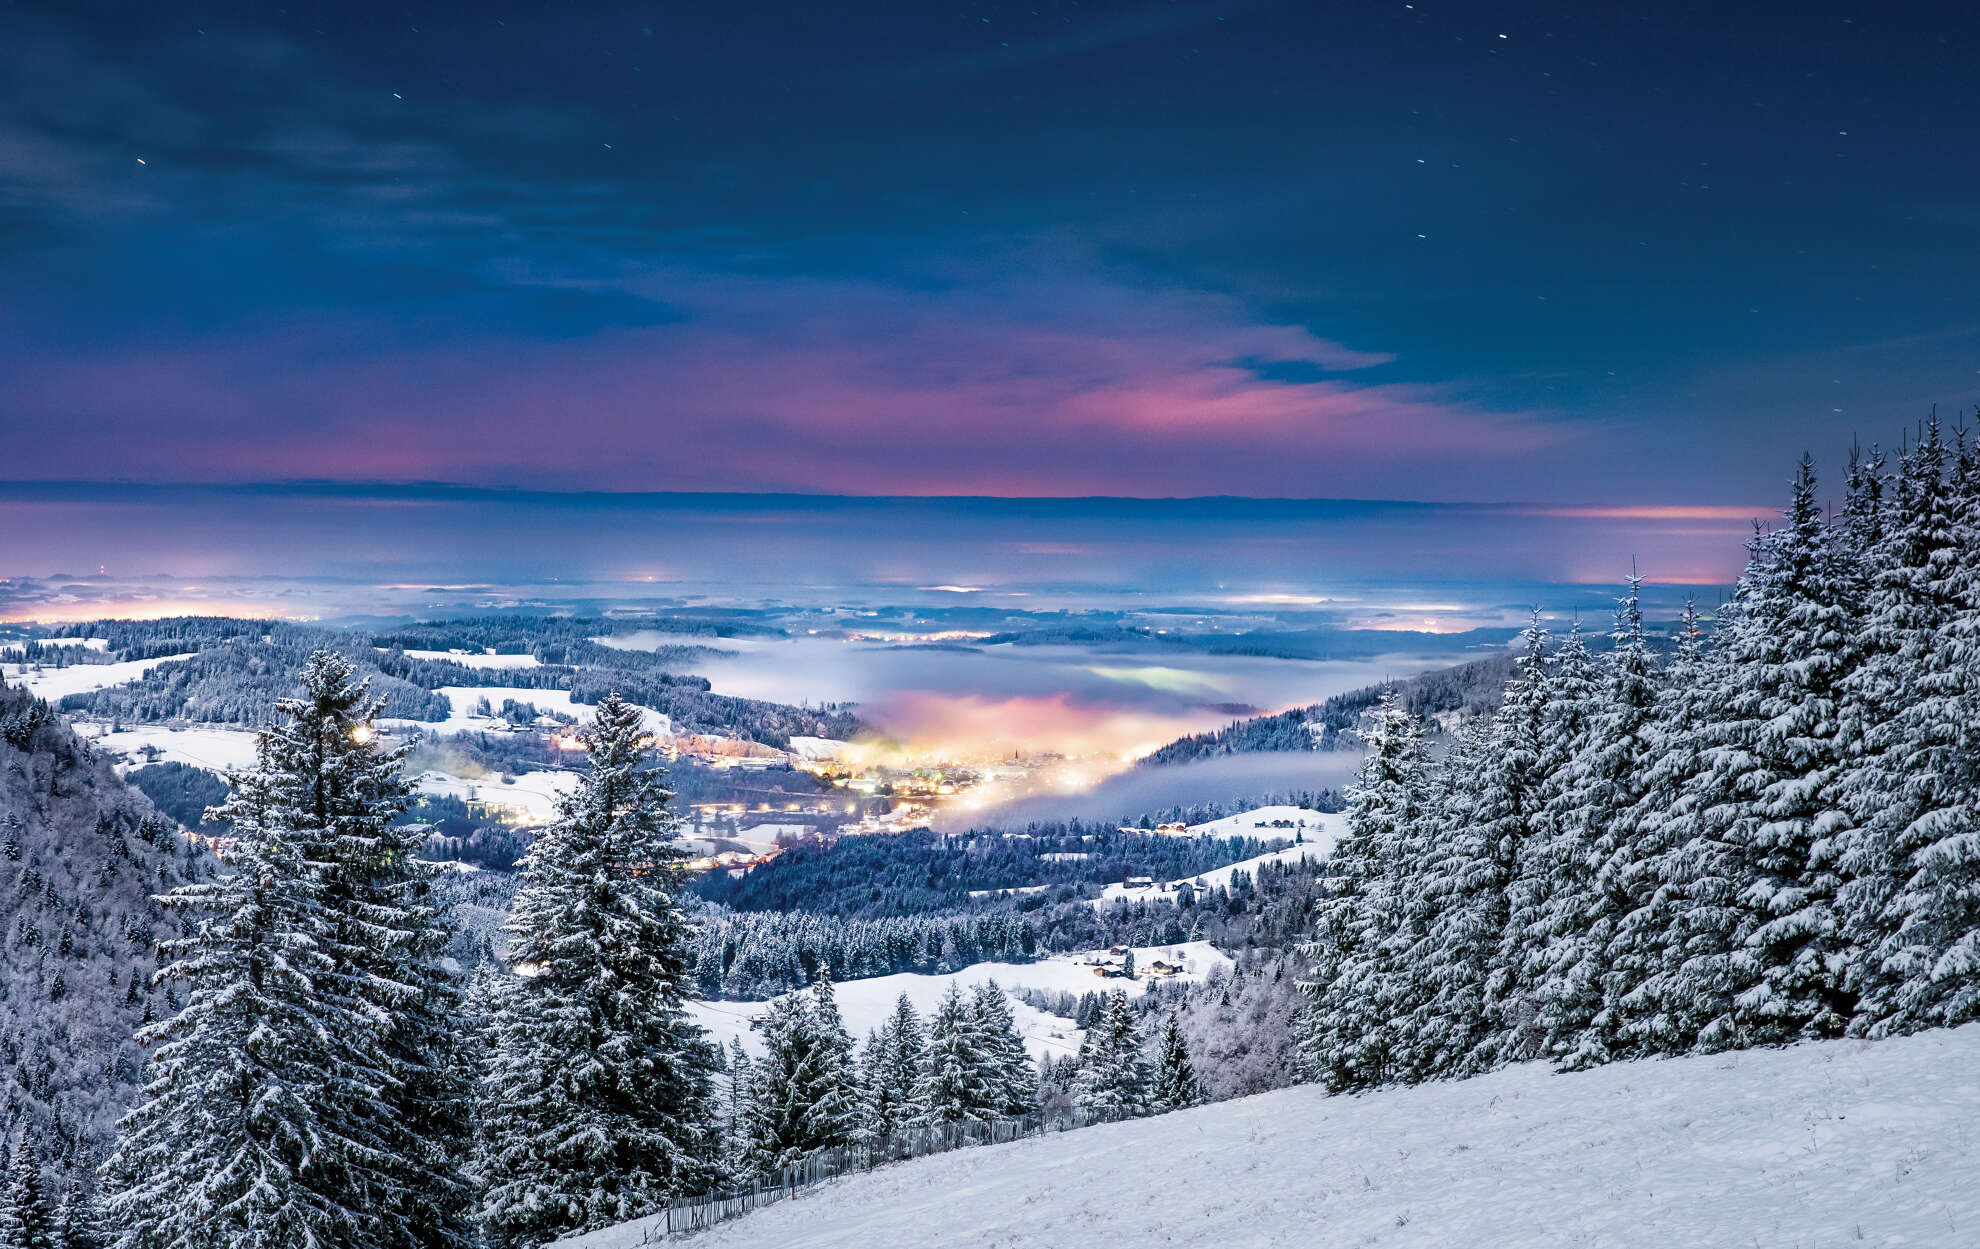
x=56 y=683
x=1270 y=822
x=215 y=749
x=99 y=645
x=461 y=698
x=1842 y=1144
x=865 y=1004
x=535 y=794
x=470 y=659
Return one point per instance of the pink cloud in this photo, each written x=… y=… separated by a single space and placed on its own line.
x=1035 y=388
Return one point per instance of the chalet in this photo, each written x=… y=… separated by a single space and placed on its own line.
x=1160 y=968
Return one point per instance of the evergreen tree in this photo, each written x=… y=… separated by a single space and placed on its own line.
x=1591 y=815
x=25 y=1220
x=890 y=1073
x=1175 y=1075
x=737 y=1109
x=342 y=793
x=1779 y=755
x=1348 y=1033
x=243 y=1138
x=1911 y=863
x=1006 y=1062
x=835 y=1107
x=1114 y=1081
x=955 y=1084
x=1548 y=895
x=801 y=1089
x=598 y=1105
x=74 y=1226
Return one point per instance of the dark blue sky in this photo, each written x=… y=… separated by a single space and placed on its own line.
x=1595 y=254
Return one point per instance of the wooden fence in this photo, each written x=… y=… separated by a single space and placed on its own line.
x=704 y=1210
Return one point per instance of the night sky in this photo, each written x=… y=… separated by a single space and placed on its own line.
x=1596 y=256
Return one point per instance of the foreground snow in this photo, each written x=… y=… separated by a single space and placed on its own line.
x=865 y=1004
x=1843 y=1143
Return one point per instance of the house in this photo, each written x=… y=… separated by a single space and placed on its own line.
x=1140 y=882
x=1160 y=968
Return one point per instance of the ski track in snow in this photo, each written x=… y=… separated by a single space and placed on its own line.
x=1839 y=1143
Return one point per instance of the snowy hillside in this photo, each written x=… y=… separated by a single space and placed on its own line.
x=1843 y=1143
x=1221 y=877
x=1276 y=821
x=865 y=1004
x=53 y=684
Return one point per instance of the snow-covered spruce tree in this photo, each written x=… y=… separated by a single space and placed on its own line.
x=1347 y=1032
x=1911 y=861
x=1469 y=1005
x=1778 y=759
x=801 y=1089
x=891 y=1069
x=342 y=793
x=1548 y=895
x=835 y=1110
x=75 y=1220
x=736 y=1109
x=1006 y=1062
x=598 y=1103
x=955 y=1084
x=1590 y=812
x=243 y=1137
x=1176 y=1085
x=1114 y=1081
x=26 y=1222
x=1670 y=978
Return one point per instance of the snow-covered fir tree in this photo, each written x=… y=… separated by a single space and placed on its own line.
x=1590 y=814
x=889 y=1070
x=802 y=1090
x=1349 y=1034
x=1006 y=1062
x=1114 y=1081
x=342 y=792
x=1176 y=1085
x=1910 y=861
x=956 y=1084
x=26 y=1221
x=598 y=1106
x=1548 y=894
x=1778 y=755
x=261 y=1127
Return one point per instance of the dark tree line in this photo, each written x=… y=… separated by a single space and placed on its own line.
x=1772 y=836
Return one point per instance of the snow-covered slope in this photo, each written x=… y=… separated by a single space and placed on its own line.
x=1219 y=878
x=1843 y=1143
x=54 y=683
x=1277 y=821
